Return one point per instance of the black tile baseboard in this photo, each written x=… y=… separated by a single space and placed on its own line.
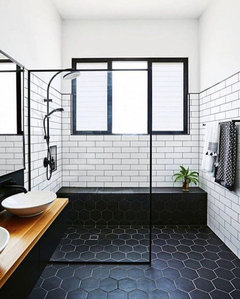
x=131 y=206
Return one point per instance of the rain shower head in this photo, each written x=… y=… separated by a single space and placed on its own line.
x=71 y=75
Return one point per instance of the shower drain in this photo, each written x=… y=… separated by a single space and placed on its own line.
x=93 y=237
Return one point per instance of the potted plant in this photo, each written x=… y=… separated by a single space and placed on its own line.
x=187 y=177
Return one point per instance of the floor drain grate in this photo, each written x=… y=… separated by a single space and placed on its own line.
x=93 y=237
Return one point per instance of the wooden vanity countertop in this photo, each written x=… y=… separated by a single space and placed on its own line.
x=24 y=234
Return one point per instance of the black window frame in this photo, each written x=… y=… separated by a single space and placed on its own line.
x=19 y=104
x=109 y=69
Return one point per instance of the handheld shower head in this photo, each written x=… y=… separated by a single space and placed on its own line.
x=55 y=110
x=46 y=119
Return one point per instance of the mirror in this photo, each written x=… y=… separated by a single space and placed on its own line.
x=11 y=115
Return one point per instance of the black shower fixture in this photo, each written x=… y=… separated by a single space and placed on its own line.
x=48 y=161
x=55 y=110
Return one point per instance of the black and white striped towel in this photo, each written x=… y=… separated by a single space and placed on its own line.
x=227 y=157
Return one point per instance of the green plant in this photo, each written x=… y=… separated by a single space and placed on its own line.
x=186 y=176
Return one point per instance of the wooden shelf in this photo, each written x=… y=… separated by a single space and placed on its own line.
x=24 y=234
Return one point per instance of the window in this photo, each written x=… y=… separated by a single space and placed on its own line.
x=130 y=96
x=92 y=98
x=167 y=96
x=10 y=98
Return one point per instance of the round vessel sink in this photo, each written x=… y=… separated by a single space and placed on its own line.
x=29 y=204
x=4 y=238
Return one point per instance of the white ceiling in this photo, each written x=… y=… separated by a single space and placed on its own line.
x=130 y=9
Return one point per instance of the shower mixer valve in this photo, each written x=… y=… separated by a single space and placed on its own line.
x=51 y=159
x=51 y=162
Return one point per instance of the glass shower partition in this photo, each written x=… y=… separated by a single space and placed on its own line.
x=105 y=156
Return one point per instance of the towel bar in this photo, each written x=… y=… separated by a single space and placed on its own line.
x=234 y=121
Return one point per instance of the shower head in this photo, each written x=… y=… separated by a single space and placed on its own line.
x=71 y=75
x=55 y=110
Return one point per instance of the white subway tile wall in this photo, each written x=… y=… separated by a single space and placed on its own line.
x=11 y=153
x=38 y=143
x=123 y=160
x=221 y=103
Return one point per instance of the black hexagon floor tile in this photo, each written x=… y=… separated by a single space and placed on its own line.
x=117 y=243
x=187 y=262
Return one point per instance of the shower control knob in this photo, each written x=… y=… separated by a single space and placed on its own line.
x=50 y=162
x=45 y=162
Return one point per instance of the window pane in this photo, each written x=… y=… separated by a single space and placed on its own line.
x=92 y=65
x=8 y=99
x=91 y=101
x=168 y=100
x=129 y=102
x=129 y=65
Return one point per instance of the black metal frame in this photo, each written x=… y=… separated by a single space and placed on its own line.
x=29 y=132
x=150 y=158
x=109 y=69
x=100 y=263
x=19 y=92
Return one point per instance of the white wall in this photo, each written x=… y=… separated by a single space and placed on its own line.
x=30 y=32
x=133 y=38
x=219 y=42
x=219 y=59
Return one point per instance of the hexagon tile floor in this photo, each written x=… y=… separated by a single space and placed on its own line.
x=187 y=262
x=123 y=243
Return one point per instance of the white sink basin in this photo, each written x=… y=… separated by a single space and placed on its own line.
x=4 y=238
x=29 y=204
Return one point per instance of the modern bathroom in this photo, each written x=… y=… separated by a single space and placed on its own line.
x=119 y=149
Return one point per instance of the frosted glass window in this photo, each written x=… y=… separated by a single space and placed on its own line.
x=129 y=102
x=167 y=97
x=129 y=65
x=91 y=101
x=8 y=99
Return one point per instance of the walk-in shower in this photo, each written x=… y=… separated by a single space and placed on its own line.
x=108 y=218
